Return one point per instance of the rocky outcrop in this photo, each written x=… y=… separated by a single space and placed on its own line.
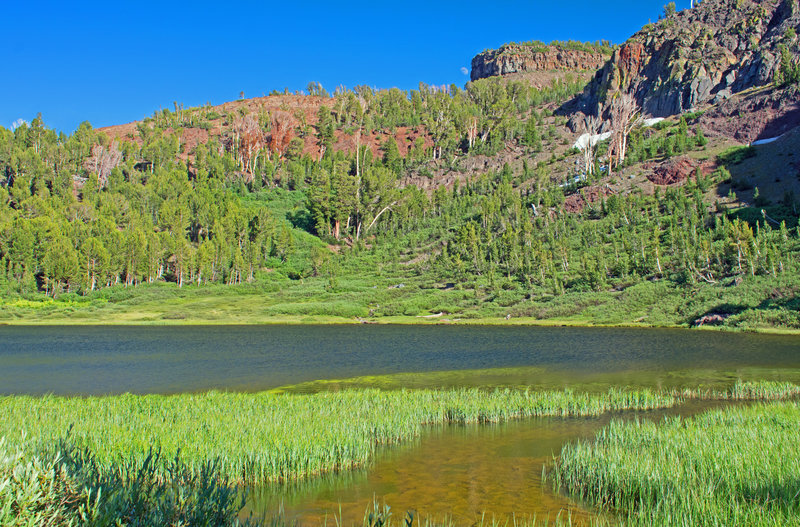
x=704 y=54
x=759 y=114
x=535 y=57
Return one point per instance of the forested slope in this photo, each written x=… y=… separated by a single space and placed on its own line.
x=448 y=203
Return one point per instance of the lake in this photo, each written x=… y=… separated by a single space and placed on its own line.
x=458 y=472
x=94 y=360
x=455 y=474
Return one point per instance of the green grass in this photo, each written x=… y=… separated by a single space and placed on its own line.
x=168 y=460
x=65 y=486
x=756 y=304
x=266 y=437
x=737 y=466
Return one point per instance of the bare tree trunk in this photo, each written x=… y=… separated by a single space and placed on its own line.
x=387 y=207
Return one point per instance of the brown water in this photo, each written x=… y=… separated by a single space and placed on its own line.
x=460 y=473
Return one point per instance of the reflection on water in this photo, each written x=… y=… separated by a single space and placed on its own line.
x=455 y=472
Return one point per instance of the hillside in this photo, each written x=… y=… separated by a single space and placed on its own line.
x=475 y=203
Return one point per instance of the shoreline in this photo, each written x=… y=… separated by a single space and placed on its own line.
x=321 y=320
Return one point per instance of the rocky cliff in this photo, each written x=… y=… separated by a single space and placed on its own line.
x=699 y=55
x=537 y=57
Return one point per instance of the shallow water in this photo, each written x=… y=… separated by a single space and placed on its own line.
x=460 y=473
x=116 y=359
x=457 y=472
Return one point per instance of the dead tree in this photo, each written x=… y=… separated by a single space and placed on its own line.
x=625 y=116
x=591 y=127
x=282 y=127
x=103 y=160
x=472 y=131
x=251 y=140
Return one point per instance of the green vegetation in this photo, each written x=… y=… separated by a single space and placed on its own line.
x=737 y=466
x=167 y=460
x=601 y=46
x=288 y=436
x=66 y=486
x=788 y=72
x=247 y=228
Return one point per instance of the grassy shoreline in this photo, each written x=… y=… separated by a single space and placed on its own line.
x=305 y=320
x=101 y=457
x=735 y=466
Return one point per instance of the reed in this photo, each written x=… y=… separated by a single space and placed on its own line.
x=260 y=437
x=737 y=466
x=744 y=391
x=66 y=487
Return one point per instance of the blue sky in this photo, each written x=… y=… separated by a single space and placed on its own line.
x=115 y=62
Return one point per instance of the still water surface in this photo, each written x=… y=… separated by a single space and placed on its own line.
x=458 y=472
x=116 y=359
x=454 y=473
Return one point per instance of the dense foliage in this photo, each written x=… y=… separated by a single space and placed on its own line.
x=82 y=214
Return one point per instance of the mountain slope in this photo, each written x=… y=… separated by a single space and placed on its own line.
x=700 y=55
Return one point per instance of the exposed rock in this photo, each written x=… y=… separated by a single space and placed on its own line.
x=716 y=49
x=523 y=58
x=752 y=116
x=713 y=319
x=677 y=170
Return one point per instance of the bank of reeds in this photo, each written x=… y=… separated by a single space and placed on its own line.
x=733 y=466
x=744 y=391
x=69 y=459
x=65 y=486
x=261 y=437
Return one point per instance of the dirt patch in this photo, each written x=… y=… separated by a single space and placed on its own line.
x=578 y=201
x=678 y=170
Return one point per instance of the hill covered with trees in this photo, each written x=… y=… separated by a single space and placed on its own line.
x=443 y=203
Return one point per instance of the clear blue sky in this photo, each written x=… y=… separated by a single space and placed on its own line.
x=115 y=62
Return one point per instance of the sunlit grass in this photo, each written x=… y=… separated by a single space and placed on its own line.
x=265 y=437
x=735 y=466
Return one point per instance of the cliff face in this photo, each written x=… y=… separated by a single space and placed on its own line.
x=522 y=58
x=704 y=54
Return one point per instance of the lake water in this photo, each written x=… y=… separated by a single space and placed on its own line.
x=457 y=472
x=170 y=359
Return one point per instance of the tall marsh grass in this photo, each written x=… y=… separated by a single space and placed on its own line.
x=260 y=437
x=65 y=486
x=736 y=466
x=181 y=459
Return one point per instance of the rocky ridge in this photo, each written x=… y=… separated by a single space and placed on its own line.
x=700 y=55
x=521 y=59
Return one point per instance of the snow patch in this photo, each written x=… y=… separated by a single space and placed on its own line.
x=765 y=141
x=652 y=121
x=590 y=140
